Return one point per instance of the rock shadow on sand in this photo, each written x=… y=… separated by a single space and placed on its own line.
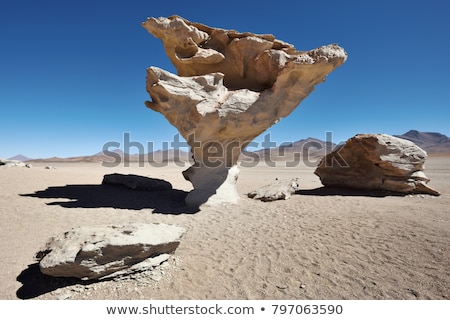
x=342 y=191
x=35 y=283
x=118 y=197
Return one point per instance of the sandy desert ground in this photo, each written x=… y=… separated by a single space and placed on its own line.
x=317 y=245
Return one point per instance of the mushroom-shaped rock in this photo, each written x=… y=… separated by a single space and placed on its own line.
x=229 y=89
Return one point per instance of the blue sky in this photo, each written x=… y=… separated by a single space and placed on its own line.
x=72 y=73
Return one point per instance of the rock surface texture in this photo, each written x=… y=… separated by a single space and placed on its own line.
x=230 y=87
x=99 y=251
x=281 y=190
x=376 y=162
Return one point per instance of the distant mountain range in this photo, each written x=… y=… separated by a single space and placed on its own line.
x=119 y=155
x=311 y=148
x=431 y=142
x=20 y=157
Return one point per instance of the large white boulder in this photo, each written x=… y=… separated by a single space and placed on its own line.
x=376 y=162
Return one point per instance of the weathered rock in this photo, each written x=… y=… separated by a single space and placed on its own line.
x=147 y=265
x=98 y=251
x=11 y=163
x=136 y=182
x=376 y=162
x=281 y=190
x=231 y=87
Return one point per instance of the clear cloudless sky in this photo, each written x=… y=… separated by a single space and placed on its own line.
x=72 y=73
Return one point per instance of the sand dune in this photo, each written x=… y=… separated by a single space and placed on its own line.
x=317 y=245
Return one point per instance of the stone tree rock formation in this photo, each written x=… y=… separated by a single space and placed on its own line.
x=230 y=88
x=376 y=162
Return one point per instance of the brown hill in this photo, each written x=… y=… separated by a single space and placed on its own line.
x=20 y=157
x=431 y=142
x=310 y=149
x=305 y=149
x=118 y=155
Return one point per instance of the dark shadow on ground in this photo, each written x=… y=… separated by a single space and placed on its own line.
x=35 y=283
x=115 y=196
x=338 y=191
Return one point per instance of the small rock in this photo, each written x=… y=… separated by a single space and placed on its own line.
x=64 y=296
x=77 y=289
x=282 y=286
x=281 y=190
x=156 y=277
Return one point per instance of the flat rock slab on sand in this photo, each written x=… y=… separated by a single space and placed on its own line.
x=94 y=252
x=136 y=182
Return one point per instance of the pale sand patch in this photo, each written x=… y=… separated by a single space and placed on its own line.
x=312 y=246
